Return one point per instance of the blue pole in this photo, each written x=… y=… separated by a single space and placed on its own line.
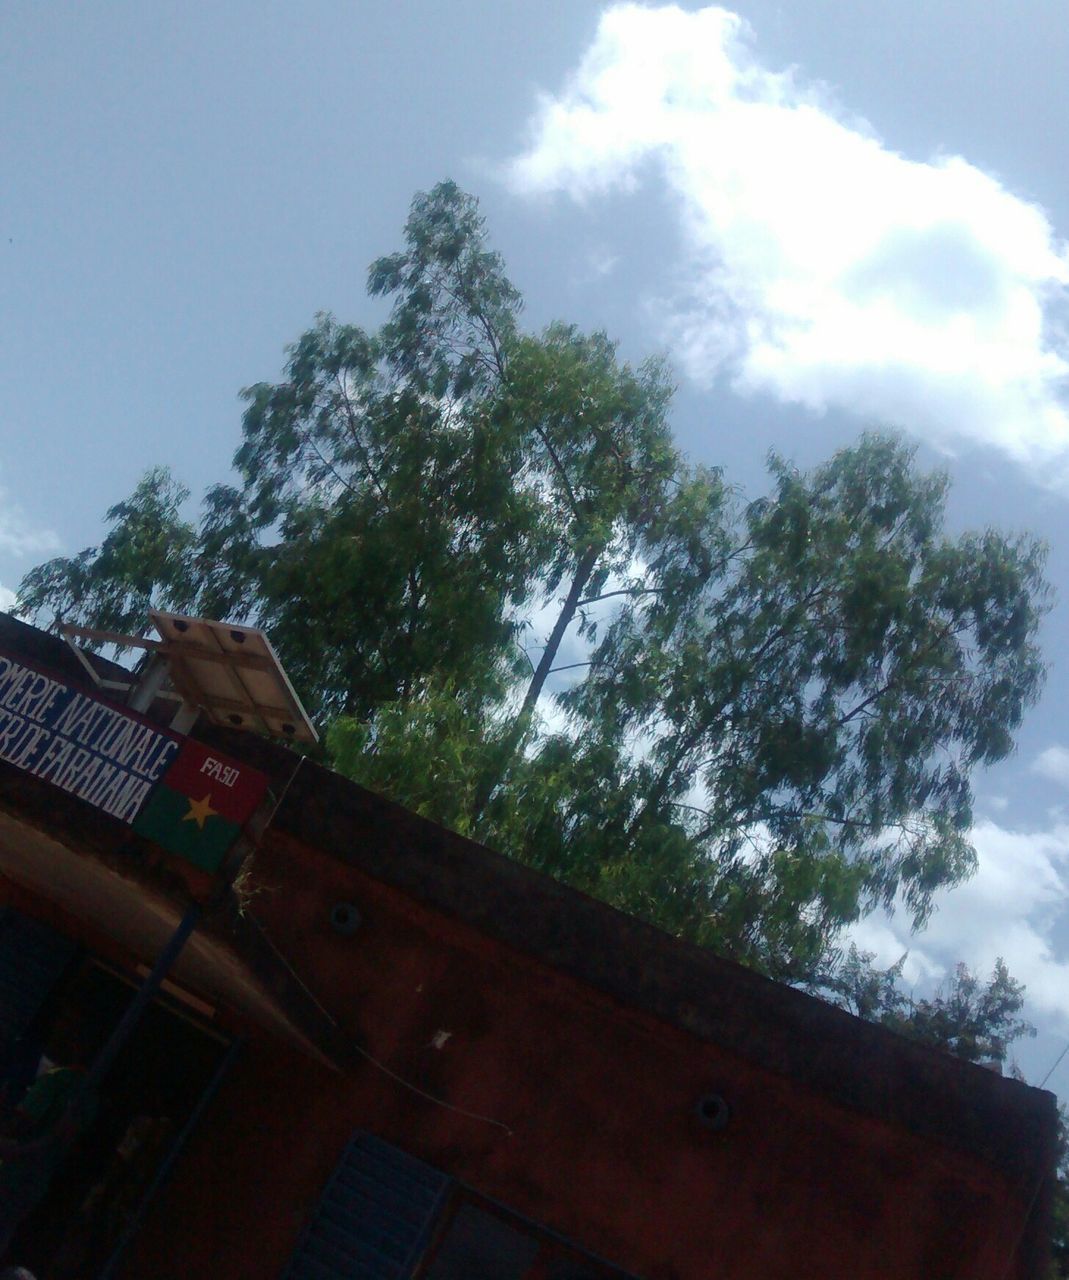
x=172 y=1154
x=146 y=993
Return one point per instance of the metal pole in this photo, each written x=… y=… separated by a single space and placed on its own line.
x=146 y=992
x=232 y=864
x=172 y=1154
x=152 y=681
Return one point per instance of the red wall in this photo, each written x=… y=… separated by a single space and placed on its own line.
x=603 y=1144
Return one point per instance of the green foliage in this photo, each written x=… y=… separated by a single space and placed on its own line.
x=436 y=740
x=806 y=685
x=1059 y=1259
x=779 y=703
x=145 y=560
x=966 y=1017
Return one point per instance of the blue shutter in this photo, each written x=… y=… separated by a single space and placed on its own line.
x=374 y=1218
x=32 y=960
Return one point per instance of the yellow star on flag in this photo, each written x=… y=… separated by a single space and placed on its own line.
x=200 y=811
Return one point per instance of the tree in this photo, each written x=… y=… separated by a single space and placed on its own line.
x=750 y=721
x=1059 y=1261
x=964 y=1016
x=810 y=694
x=148 y=557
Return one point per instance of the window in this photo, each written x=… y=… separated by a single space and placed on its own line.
x=386 y=1216
x=55 y=998
x=375 y=1216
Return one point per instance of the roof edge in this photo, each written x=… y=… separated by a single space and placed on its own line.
x=863 y=1066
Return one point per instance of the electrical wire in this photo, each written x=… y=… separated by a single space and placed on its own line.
x=370 y=1057
x=1057 y=1064
x=422 y=1093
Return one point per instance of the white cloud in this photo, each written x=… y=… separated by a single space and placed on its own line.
x=16 y=534
x=1010 y=908
x=7 y=598
x=1053 y=764
x=825 y=268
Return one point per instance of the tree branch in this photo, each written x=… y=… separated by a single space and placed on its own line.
x=624 y=591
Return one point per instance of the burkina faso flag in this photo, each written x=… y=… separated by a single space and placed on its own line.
x=200 y=804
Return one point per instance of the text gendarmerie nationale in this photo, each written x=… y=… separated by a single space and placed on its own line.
x=78 y=743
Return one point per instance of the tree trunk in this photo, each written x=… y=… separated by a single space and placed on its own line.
x=522 y=723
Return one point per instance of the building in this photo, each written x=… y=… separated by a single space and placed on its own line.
x=393 y=1053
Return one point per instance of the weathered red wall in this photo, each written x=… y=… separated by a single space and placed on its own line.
x=603 y=1145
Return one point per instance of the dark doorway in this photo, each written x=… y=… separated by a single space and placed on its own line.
x=143 y=1111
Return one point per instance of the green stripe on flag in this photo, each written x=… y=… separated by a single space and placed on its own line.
x=187 y=827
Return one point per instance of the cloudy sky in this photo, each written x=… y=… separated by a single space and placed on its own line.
x=830 y=216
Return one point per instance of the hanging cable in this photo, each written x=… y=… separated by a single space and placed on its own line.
x=364 y=1053
x=1057 y=1063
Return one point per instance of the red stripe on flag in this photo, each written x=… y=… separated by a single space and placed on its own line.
x=234 y=789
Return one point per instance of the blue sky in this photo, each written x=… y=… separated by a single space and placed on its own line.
x=829 y=216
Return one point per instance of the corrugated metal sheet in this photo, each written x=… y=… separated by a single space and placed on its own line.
x=32 y=960
x=374 y=1218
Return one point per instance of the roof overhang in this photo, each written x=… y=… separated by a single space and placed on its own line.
x=120 y=888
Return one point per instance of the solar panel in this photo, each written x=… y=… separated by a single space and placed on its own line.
x=232 y=674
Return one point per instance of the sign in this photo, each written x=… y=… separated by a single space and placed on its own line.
x=173 y=790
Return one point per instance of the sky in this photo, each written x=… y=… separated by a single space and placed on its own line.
x=830 y=217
